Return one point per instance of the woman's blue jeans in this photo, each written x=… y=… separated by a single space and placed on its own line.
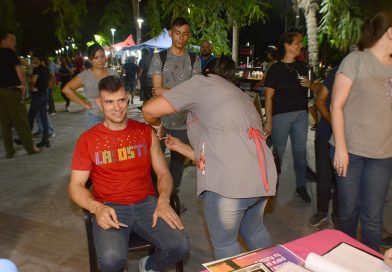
x=226 y=217
x=361 y=196
x=112 y=245
x=91 y=120
x=294 y=124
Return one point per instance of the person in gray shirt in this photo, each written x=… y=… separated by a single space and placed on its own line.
x=170 y=68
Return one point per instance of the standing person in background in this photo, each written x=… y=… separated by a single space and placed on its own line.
x=89 y=79
x=66 y=73
x=39 y=95
x=144 y=77
x=286 y=104
x=206 y=55
x=53 y=70
x=12 y=91
x=361 y=111
x=170 y=68
x=326 y=182
x=130 y=71
x=78 y=63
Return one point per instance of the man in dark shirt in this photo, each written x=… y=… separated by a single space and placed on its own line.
x=130 y=70
x=144 y=77
x=206 y=55
x=12 y=90
x=39 y=96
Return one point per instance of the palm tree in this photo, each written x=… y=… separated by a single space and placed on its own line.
x=311 y=7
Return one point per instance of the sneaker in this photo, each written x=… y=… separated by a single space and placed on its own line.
x=303 y=194
x=142 y=265
x=52 y=135
x=310 y=174
x=317 y=219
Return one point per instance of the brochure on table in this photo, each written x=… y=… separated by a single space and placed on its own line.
x=267 y=259
x=342 y=258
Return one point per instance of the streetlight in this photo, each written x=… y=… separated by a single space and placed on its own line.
x=139 y=30
x=113 y=30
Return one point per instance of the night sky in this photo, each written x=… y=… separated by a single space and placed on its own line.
x=38 y=28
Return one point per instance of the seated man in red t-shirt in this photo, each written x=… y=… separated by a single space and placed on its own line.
x=117 y=156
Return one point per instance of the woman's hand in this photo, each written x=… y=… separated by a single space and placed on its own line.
x=340 y=161
x=388 y=257
x=268 y=128
x=173 y=143
x=305 y=82
x=87 y=105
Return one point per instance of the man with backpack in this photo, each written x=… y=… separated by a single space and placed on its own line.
x=169 y=68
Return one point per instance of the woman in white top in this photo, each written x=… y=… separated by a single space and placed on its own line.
x=361 y=112
x=89 y=79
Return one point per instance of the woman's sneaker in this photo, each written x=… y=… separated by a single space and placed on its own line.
x=142 y=265
x=303 y=194
x=317 y=219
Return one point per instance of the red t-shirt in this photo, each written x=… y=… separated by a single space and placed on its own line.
x=119 y=162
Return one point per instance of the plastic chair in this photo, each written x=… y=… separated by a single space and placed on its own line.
x=136 y=243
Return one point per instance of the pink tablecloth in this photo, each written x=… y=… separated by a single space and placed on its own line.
x=323 y=241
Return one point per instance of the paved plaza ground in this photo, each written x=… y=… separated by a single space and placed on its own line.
x=42 y=230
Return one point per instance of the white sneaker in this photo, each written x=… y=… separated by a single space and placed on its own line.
x=142 y=265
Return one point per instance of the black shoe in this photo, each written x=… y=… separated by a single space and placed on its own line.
x=43 y=143
x=317 y=219
x=310 y=174
x=18 y=141
x=303 y=194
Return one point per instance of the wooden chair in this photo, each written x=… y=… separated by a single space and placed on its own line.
x=136 y=243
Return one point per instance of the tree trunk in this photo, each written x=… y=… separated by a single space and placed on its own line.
x=310 y=8
x=135 y=14
x=311 y=22
x=236 y=41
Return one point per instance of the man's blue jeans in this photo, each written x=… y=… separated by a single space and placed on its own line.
x=361 y=196
x=294 y=124
x=226 y=217
x=112 y=245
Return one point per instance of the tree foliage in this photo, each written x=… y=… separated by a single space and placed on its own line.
x=68 y=17
x=342 y=20
x=7 y=18
x=211 y=20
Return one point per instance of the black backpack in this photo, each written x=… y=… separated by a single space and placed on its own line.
x=163 y=56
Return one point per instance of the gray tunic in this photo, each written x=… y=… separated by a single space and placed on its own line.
x=220 y=116
x=368 y=110
x=90 y=85
x=176 y=70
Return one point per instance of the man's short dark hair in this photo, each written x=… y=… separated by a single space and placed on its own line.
x=110 y=84
x=4 y=34
x=179 y=21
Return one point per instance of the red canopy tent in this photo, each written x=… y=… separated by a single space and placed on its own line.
x=126 y=43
